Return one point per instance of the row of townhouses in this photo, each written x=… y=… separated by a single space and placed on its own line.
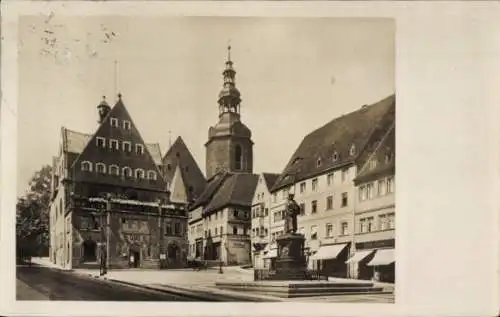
x=111 y=188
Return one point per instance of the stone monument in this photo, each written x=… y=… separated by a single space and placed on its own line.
x=291 y=261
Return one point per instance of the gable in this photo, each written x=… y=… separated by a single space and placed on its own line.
x=117 y=141
x=179 y=156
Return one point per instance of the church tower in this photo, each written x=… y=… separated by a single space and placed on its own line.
x=229 y=146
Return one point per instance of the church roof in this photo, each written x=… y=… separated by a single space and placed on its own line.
x=335 y=144
x=270 y=179
x=227 y=189
x=178 y=188
x=236 y=189
x=75 y=142
x=178 y=155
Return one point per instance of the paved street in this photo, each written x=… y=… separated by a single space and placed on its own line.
x=41 y=283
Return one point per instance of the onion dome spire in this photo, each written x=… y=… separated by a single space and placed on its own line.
x=229 y=96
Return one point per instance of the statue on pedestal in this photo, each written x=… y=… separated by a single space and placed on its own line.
x=291 y=213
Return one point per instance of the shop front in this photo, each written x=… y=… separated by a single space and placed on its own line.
x=375 y=260
x=331 y=259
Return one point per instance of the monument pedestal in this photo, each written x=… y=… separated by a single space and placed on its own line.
x=291 y=262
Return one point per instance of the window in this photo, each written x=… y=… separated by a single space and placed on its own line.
x=235 y=230
x=318 y=162
x=221 y=231
x=215 y=231
x=152 y=175
x=388 y=157
x=314 y=206
x=86 y=166
x=127 y=172
x=254 y=234
x=114 y=122
x=382 y=188
x=302 y=209
x=101 y=142
x=329 y=230
x=344 y=228
x=302 y=187
x=235 y=213
x=345 y=174
x=314 y=184
x=382 y=222
x=369 y=191
x=216 y=214
x=139 y=149
x=352 y=151
x=127 y=146
x=344 y=199
x=114 y=145
x=266 y=231
x=391 y=220
x=369 y=224
x=362 y=193
x=238 y=157
x=114 y=170
x=329 y=179
x=372 y=164
x=139 y=173
x=284 y=193
x=100 y=168
x=257 y=232
x=390 y=185
x=362 y=225
x=314 y=232
x=275 y=197
x=177 y=229
x=335 y=156
x=329 y=202
x=126 y=125
x=266 y=212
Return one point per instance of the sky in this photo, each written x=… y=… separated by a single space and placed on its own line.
x=294 y=74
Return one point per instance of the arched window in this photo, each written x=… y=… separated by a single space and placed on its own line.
x=152 y=175
x=114 y=170
x=127 y=172
x=100 y=168
x=139 y=173
x=238 y=157
x=86 y=166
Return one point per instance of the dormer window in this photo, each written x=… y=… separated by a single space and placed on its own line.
x=335 y=156
x=86 y=166
x=318 y=162
x=352 y=151
x=101 y=142
x=113 y=144
x=127 y=146
x=373 y=163
x=100 y=168
x=388 y=157
x=139 y=149
x=126 y=125
x=127 y=172
x=152 y=175
x=114 y=122
x=139 y=173
x=114 y=170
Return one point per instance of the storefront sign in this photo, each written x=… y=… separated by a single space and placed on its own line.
x=375 y=244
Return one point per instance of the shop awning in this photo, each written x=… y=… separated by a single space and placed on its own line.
x=382 y=257
x=327 y=252
x=359 y=255
x=271 y=254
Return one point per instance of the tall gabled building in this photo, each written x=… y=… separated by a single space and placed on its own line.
x=321 y=173
x=109 y=195
x=219 y=223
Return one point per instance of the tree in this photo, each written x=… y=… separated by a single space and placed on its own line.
x=32 y=215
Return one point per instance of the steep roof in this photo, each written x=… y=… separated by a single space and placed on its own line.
x=330 y=146
x=178 y=155
x=270 y=179
x=75 y=142
x=178 y=188
x=210 y=189
x=384 y=156
x=236 y=189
